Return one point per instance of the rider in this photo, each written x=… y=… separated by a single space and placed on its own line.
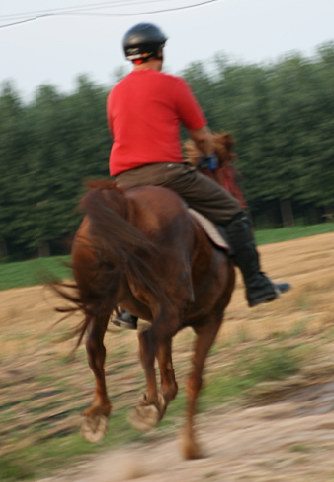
x=145 y=111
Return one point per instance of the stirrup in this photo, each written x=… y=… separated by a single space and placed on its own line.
x=264 y=297
x=282 y=287
x=124 y=319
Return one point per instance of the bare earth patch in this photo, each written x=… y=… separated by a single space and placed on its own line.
x=284 y=432
x=277 y=442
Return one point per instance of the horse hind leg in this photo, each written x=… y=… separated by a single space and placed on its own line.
x=150 y=407
x=206 y=335
x=168 y=384
x=155 y=343
x=95 y=423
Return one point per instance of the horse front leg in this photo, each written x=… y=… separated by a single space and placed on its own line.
x=206 y=335
x=95 y=422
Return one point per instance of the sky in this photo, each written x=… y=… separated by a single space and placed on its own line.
x=57 y=49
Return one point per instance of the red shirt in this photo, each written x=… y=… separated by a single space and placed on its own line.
x=145 y=111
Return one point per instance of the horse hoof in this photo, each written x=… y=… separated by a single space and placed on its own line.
x=190 y=449
x=147 y=415
x=144 y=418
x=190 y=452
x=94 y=428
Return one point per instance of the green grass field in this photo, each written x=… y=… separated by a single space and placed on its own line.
x=266 y=236
x=34 y=272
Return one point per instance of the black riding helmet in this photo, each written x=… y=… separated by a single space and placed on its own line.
x=143 y=41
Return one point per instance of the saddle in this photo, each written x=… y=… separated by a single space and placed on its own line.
x=215 y=235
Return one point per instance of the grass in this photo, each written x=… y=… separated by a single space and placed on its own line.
x=299 y=448
x=33 y=272
x=251 y=366
x=266 y=236
x=37 y=461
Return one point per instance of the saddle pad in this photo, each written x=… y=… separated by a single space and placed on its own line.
x=210 y=229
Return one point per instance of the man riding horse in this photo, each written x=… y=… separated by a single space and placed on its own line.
x=145 y=111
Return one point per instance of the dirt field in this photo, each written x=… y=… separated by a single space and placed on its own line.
x=284 y=431
x=290 y=440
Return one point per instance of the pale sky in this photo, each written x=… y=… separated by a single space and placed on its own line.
x=57 y=49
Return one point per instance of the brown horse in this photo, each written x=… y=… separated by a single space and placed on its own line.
x=142 y=250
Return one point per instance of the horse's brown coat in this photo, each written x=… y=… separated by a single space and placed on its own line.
x=142 y=250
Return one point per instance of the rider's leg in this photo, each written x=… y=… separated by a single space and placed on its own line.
x=214 y=202
x=259 y=288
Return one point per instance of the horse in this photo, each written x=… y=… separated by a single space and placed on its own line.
x=143 y=251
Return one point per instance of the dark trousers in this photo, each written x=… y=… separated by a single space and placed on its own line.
x=197 y=190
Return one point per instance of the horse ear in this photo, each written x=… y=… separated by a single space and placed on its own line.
x=229 y=141
x=219 y=146
x=217 y=142
x=226 y=143
x=229 y=146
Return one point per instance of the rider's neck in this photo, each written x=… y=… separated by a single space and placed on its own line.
x=153 y=64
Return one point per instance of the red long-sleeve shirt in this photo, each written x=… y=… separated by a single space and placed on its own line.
x=145 y=111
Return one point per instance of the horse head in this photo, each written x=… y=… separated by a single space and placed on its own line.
x=223 y=148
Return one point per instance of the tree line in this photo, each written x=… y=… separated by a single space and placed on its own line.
x=281 y=116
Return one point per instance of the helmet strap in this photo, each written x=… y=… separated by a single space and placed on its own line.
x=156 y=55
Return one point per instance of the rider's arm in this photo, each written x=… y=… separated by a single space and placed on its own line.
x=192 y=116
x=203 y=140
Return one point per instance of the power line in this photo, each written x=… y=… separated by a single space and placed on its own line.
x=185 y=7
x=82 y=11
x=92 y=6
x=23 y=21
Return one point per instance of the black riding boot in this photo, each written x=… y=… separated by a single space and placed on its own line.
x=259 y=288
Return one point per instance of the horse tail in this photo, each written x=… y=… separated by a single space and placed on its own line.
x=128 y=251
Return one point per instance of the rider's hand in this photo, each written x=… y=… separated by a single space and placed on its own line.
x=209 y=162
